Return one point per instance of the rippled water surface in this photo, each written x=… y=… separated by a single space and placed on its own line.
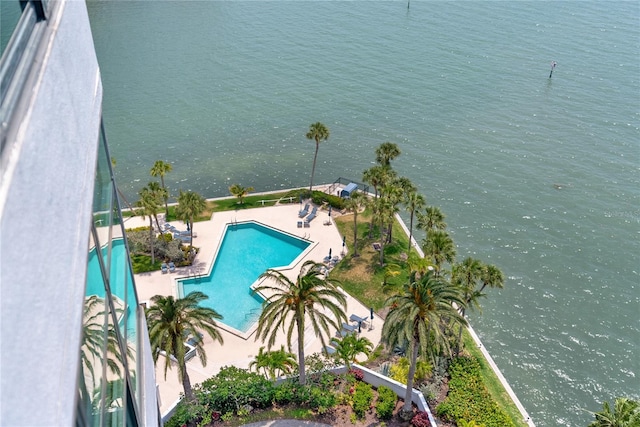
x=539 y=176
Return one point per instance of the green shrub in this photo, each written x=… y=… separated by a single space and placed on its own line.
x=386 y=403
x=362 y=399
x=322 y=400
x=290 y=391
x=233 y=388
x=468 y=398
x=400 y=371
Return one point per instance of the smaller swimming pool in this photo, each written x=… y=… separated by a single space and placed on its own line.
x=247 y=250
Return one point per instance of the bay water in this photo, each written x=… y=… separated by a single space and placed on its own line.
x=538 y=175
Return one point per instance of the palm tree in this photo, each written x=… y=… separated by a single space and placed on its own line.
x=317 y=132
x=159 y=194
x=626 y=413
x=274 y=363
x=149 y=203
x=190 y=205
x=289 y=303
x=386 y=152
x=353 y=204
x=413 y=203
x=240 y=192
x=351 y=346
x=417 y=265
x=171 y=321
x=383 y=214
x=377 y=176
x=466 y=276
x=439 y=247
x=432 y=219
x=415 y=315
x=492 y=277
x=160 y=169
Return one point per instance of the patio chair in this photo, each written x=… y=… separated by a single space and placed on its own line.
x=306 y=224
x=164 y=268
x=304 y=211
x=329 y=350
x=172 y=267
x=349 y=328
x=299 y=224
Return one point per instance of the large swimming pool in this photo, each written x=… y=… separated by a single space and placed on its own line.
x=247 y=250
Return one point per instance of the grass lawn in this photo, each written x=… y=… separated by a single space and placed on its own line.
x=363 y=276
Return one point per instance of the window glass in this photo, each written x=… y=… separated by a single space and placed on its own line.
x=10 y=12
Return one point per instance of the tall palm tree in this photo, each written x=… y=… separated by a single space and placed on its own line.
x=413 y=202
x=626 y=413
x=439 y=247
x=492 y=277
x=386 y=152
x=349 y=347
x=149 y=203
x=171 y=322
x=353 y=204
x=466 y=276
x=240 y=192
x=377 y=176
x=160 y=169
x=190 y=205
x=432 y=219
x=383 y=214
x=159 y=194
x=317 y=132
x=274 y=363
x=289 y=303
x=415 y=315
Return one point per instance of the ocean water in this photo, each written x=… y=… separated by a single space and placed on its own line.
x=538 y=175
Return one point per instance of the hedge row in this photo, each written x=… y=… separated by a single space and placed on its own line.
x=468 y=398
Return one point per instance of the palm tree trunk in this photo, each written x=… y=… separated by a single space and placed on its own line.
x=313 y=169
x=355 y=232
x=166 y=206
x=462 y=310
x=151 y=239
x=407 y=408
x=300 y=324
x=186 y=383
x=191 y=230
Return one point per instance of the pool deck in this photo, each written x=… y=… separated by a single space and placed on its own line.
x=237 y=351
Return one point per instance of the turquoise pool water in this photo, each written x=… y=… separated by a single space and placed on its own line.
x=247 y=250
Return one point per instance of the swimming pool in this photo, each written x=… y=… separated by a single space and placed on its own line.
x=247 y=250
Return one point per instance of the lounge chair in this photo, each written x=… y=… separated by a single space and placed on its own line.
x=304 y=211
x=348 y=327
x=172 y=267
x=357 y=319
x=164 y=268
x=329 y=350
